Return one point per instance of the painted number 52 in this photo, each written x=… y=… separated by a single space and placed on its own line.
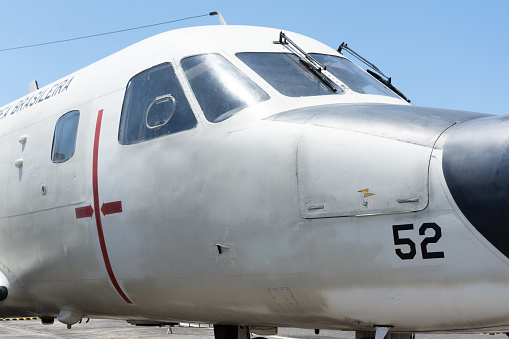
x=407 y=249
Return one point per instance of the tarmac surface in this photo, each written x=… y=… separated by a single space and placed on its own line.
x=120 y=329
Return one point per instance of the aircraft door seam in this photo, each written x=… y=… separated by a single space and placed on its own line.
x=97 y=210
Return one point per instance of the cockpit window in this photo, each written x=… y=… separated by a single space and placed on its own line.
x=154 y=106
x=220 y=88
x=286 y=74
x=290 y=77
x=352 y=76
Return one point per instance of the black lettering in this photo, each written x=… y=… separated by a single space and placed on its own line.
x=404 y=241
x=27 y=100
x=67 y=85
x=57 y=90
x=16 y=108
x=22 y=106
x=430 y=240
x=34 y=99
x=41 y=98
x=50 y=91
x=3 y=112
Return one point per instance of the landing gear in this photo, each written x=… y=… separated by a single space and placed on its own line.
x=231 y=332
x=47 y=320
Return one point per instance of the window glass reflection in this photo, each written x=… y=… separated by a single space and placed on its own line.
x=220 y=88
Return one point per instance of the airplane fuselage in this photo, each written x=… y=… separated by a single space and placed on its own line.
x=320 y=211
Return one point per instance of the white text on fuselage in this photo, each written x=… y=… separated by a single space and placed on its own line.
x=43 y=94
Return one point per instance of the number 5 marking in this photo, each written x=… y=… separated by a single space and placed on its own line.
x=404 y=241
x=410 y=254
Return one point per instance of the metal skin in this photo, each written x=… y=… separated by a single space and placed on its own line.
x=318 y=212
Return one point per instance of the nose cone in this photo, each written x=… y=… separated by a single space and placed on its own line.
x=3 y=293
x=476 y=169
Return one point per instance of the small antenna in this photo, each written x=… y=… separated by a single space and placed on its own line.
x=33 y=86
x=220 y=17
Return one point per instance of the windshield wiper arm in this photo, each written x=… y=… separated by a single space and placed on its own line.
x=380 y=76
x=308 y=61
x=318 y=73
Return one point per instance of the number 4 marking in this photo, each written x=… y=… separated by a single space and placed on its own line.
x=411 y=250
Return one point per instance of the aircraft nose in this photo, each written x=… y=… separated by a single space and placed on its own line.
x=476 y=168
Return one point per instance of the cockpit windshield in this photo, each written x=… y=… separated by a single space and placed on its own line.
x=220 y=88
x=286 y=74
x=352 y=76
x=290 y=77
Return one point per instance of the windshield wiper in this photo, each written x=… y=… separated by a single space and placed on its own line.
x=380 y=76
x=308 y=60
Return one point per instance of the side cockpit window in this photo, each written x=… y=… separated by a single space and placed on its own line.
x=64 y=139
x=220 y=88
x=154 y=106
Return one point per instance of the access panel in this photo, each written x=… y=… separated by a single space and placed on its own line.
x=343 y=173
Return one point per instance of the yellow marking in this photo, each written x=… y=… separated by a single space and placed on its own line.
x=366 y=192
x=14 y=319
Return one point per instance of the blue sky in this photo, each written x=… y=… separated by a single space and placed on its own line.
x=448 y=54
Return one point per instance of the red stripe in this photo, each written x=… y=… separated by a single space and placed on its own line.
x=96 y=208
